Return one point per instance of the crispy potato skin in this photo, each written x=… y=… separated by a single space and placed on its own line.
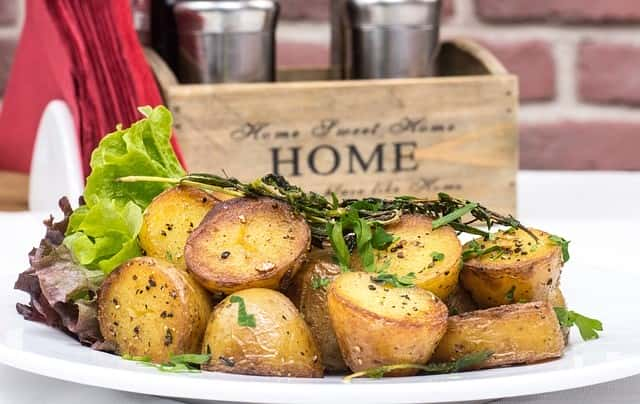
x=379 y=325
x=248 y=243
x=525 y=272
x=281 y=343
x=148 y=307
x=412 y=254
x=459 y=301
x=516 y=334
x=312 y=304
x=169 y=220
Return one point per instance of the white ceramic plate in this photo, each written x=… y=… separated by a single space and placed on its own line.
x=38 y=349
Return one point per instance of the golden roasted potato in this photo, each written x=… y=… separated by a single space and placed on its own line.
x=309 y=293
x=169 y=220
x=516 y=334
x=260 y=332
x=377 y=324
x=433 y=256
x=519 y=270
x=147 y=307
x=556 y=298
x=248 y=243
x=460 y=302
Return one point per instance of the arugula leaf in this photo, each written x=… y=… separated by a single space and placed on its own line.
x=381 y=240
x=475 y=251
x=319 y=282
x=466 y=362
x=453 y=216
x=186 y=363
x=564 y=245
x=103 y=233
x=362 y=229
x=405 y=281
x=437 y=256
x=244 y=319
x=588 y=327
x=334 y=230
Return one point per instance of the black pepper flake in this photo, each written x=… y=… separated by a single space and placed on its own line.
x=152 y=283
x=136 y=330
x=371 y=287
x=115 y=301
x=227 y=361
x=135 y=277
x=400 y=254
x=163 y=233
x=204 y=199
x=225 y=255
x=168 y=338
x=163 y=314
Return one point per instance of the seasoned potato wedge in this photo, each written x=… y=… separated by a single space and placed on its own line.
x=556 y=298
x=248 y=242
x=309 y=293
x=169 y=220
x=278 y=344
x=147 y=307
x=460 y=302
x=433 y=256
x=516 y=334
x=377 y=324
x=522 y=270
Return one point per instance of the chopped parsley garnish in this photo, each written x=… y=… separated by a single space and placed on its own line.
x=463 y=363
x=405 y=281
x=318 y=282
x=588 y=327
x=475 y=250
x=244 y=319
x=564 y=245
x=187 y=363
x=509 y=295
x=437 y=256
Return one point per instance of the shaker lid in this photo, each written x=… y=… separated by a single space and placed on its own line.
x=422 y=13
x=219 y=16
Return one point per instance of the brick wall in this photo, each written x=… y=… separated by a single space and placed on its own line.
x=578 y=62
x=11 y=12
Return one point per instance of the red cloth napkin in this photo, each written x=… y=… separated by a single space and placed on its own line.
x=86 y=53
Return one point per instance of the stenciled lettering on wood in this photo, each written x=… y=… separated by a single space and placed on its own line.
x=335 y=149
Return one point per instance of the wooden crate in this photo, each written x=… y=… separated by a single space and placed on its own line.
x=455 y=133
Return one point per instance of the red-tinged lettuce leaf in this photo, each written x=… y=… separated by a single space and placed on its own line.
x=63 y=293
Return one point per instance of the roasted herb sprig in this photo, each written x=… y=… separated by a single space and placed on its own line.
x=320 y=211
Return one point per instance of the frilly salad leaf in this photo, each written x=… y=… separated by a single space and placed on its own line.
x=103 y=233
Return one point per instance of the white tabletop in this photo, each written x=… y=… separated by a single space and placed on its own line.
x=576 y=205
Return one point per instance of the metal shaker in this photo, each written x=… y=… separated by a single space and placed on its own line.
x=141 y=10
x=226 y=40
x=392 y=38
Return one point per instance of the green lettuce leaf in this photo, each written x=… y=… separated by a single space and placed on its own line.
x=103 y=233
x=142 y=149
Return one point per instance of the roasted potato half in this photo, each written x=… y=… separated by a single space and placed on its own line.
x=516 y=334
x=459 y=301
x=309 y=293
x=377 y=324
x=248 y=243
x=148 y=307
x=169 y=220
x=518 y=270
x=433 y=256
x=276 y=343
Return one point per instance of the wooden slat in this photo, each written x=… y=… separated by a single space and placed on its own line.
x=14 y=191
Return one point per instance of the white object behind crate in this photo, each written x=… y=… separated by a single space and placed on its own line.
x=56 y=165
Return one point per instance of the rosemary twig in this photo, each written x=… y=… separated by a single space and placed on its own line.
x=319 y=211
